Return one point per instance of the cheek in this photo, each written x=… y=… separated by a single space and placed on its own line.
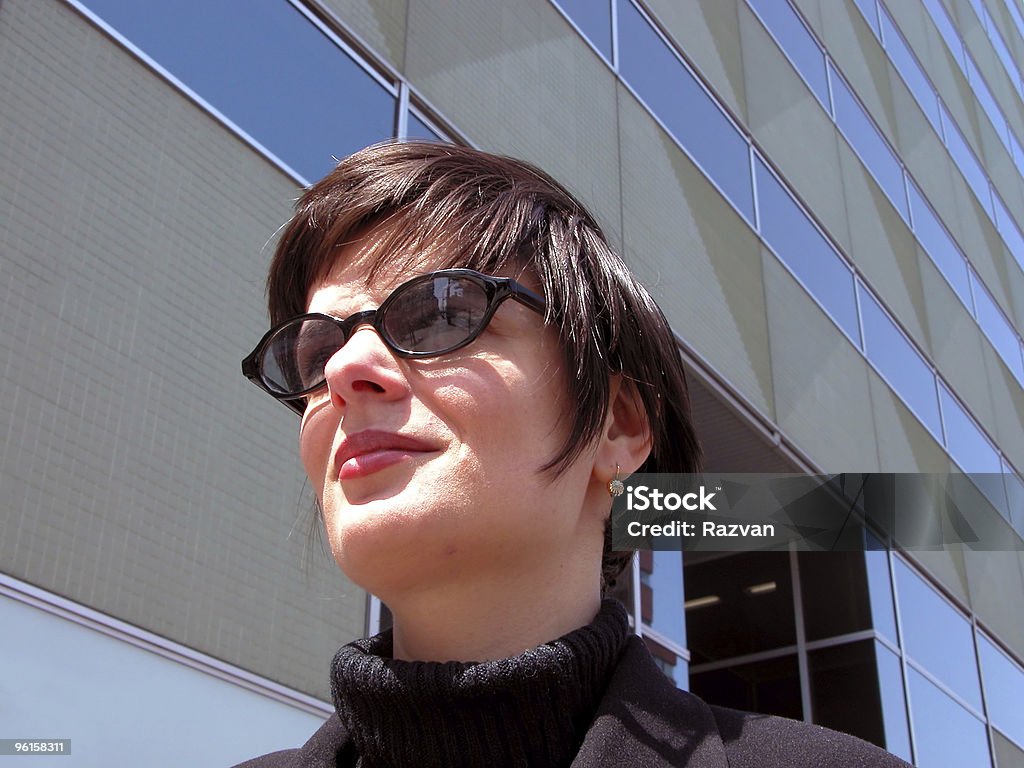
x=315 y=441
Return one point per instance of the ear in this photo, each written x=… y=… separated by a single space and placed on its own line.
x=626 y=438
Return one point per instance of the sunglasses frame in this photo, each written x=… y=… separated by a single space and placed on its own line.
x=497 y=289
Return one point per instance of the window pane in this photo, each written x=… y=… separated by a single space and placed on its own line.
x=868 y=143
x=936 y=635
x=1004 y=690
x=946 y=29
x=945 y=734
x=738 y=604
x=998 y=329
x=662 y=572
x=1015 y=494
x=266 y=68
x=883 y=613
x=594 y=19
x=685 y=109
x=417 y=129
x=899 y=363
x=1017 y=152
x=833 y=593
x=1009 y=230
x=867 y=8
x=964 y=441
x=940 y=246
x=845 y=692
x=911 y=72
x=894 y=704
x=796 y=42
x=805 y=251
x=966 y=162
x=986 y=99
x=674 y=666
x=771 y=687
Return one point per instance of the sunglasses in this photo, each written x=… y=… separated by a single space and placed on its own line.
x=430 y=315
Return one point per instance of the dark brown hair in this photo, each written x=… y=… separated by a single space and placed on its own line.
x=496 y=214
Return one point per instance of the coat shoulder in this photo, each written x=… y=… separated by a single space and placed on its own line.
x=752 y=739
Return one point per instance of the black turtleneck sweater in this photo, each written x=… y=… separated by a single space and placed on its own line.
x=531 y=709
x=591 y=699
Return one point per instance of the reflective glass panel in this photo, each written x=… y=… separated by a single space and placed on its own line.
x=1008 y=229
x=899 y=363
x=771 y=686
x=1015 y=14
x=998 y=329
x=845 y=692
x=1017 y=152
x=940 y=246
x=966 y=162
x=883 y=613
x=738 y=604
x=1004 y=690
x=1015 y=494
x=268 y=69
x=802 y=248
x=594 y=19
x=674 y=666
x=868 y=143
x=833 y=592
x=867 y=8
x=1001 y=50
x=986 y=99
x=942 y=21
x=417 y=129
x=911 y=72
x=945 y=734
x=796 y=42
x=964 y=441
x=665 y=579
x=936 y=635
x=894 y=703
x=684 y=108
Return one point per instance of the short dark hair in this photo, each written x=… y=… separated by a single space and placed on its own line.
x=492 y=214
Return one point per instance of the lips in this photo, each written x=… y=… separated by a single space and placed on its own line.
x=364 y=453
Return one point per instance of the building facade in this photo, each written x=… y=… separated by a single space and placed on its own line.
x=825 y=196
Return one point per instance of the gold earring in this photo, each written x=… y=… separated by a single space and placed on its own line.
x=615 y=487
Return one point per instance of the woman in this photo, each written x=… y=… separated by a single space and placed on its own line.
x=476 y=371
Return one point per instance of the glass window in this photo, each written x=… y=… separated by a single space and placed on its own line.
x=901 y=365
x=1017 y=152
x=997 y=328
x=417 y=129
x=665 y=579
x=1004 y=690
x=965 y=441
x=268 y=69
x=802 y=248
x=796 y=42
x=911 y=72
x=940 y=246
x=832 y=590
x=738 y=604
x=883 y=615
x=966 y=161
x=986 y=99
x=936 y=635
x=771 y=686
x=894 y=702
x=945 y=734
x=867 y=8
x=1008 y=229
x=668 y=661
x=942 y=21
x=868 y=143
x=1015 y=14
x=845 y=691
x=594 y=19
x=652 y=69
x=1015 y=494
x=1001 y=50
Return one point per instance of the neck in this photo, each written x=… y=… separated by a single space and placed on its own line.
x=494 y=620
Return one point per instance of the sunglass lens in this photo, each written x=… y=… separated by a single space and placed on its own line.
x=294 y=359
x=437 y=314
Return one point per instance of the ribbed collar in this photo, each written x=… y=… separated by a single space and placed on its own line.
x=528 y=710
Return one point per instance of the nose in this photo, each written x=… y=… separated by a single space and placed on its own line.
x=364 y=368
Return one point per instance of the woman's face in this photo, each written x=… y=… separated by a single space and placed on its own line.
x=430 y=470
